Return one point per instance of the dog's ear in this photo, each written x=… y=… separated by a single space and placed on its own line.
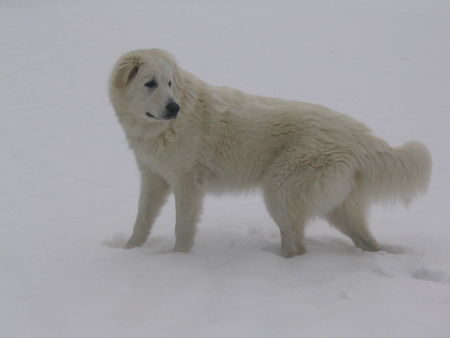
x=126 y=70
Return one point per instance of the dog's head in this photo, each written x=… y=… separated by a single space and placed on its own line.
x=146 y=82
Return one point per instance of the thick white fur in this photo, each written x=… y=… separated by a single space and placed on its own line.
x=307 y=159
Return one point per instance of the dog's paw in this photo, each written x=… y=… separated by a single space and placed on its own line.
x=182 y=247
x=291 y=253
x=134 y=242
x=366 y=244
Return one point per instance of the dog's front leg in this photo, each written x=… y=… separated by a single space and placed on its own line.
x=153 y=194
x=188 y=203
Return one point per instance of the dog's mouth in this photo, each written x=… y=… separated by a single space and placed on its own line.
x=169 y=116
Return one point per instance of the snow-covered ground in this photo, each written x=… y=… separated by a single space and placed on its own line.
x=69 y=183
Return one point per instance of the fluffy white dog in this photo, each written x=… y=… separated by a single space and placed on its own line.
x=190 y=138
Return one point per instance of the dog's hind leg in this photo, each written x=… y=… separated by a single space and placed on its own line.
x=153 y=194
x=291 y=228
x=350 y=219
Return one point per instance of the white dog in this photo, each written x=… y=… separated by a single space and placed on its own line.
x=190 y=137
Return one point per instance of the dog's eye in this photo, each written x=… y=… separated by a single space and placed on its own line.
x=152 y=84
x=170 y=83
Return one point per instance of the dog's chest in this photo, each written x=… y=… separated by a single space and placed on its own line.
x=159 y=156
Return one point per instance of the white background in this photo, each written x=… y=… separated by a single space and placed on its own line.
x=69 y=185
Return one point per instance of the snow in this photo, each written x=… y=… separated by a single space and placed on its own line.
x=69 y=184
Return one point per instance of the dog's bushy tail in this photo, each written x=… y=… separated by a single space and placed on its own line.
x=399 y=174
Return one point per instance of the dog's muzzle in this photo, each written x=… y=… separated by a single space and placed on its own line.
x=170 y=113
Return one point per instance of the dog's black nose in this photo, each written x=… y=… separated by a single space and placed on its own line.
x=172 y=109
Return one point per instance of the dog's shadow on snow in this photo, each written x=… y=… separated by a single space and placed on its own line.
x=118 y=241
x=326 y=245
x=330 y=245
x=158 y=245
x=342 y=246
